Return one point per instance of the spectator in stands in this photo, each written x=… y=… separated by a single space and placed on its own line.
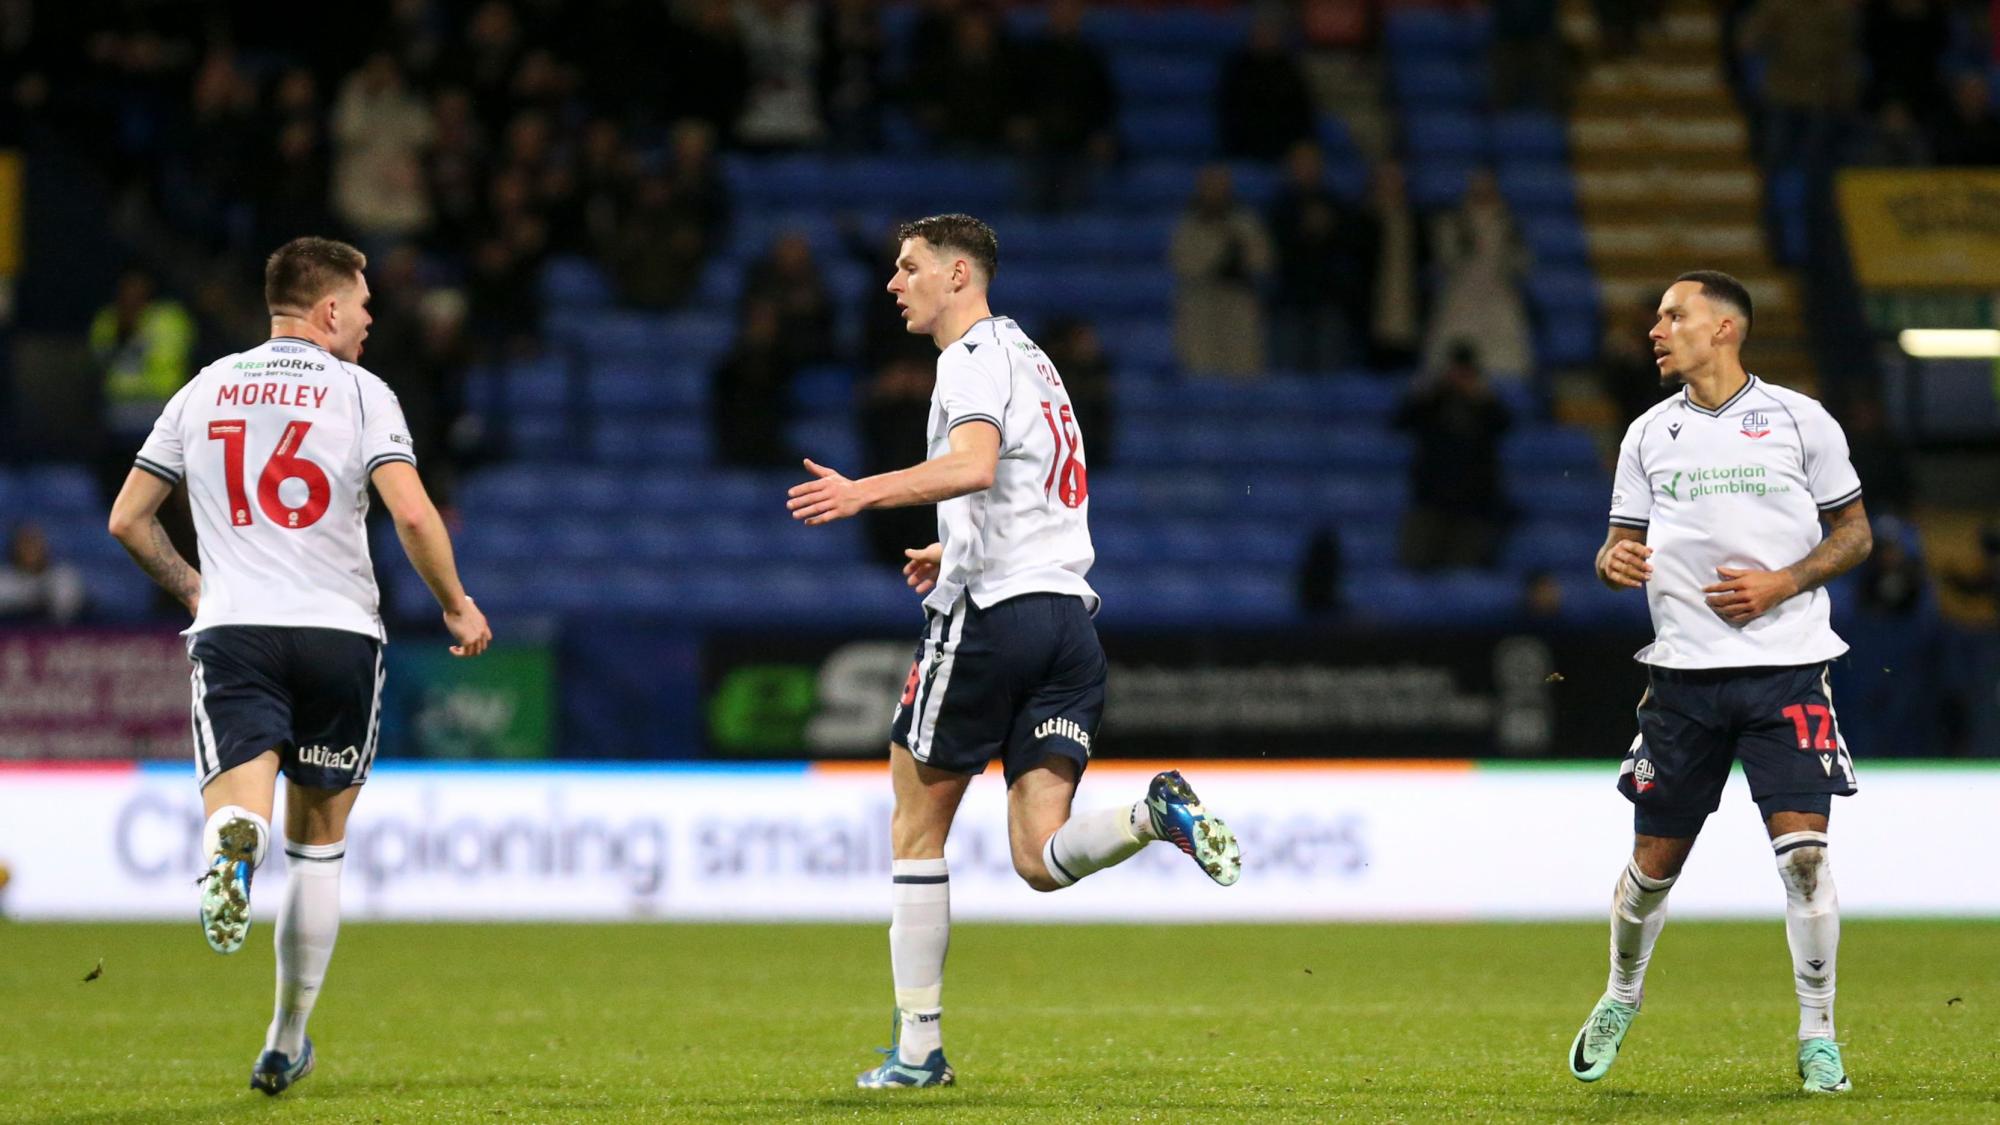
x=781 y=38
x=1619 y=23
x=885 y=337
x=142 y=344
x=710 y=78
x=1078 y=354
x=487 y=58
x=1970 y=135
x=455 y=168
x=1626 y=371
x=788 y=280
x=1458 y=510
x=962 y=95
x=1541 y=597
x=1220 y=255
x=1812 y=81
x=1892 y=139
x=1893 y=581
x=418 y=345
x=1528 y=56
x=1395 y=299
x=895 y=415
x=656 y=259
x=225 y=138
x=34 y=587
x=381 y=130
x=1905 y=41
x=852 y=44
x=1065 y=122
x=697 y=178
x=751 y=393
x=1879 y=459
x=1480 y=259
x=1263 y=104
x=1321 y=573
x=1325 y=251
x=291 y=188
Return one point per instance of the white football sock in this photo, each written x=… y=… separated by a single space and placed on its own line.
x=211 y=834
x=1090 y=842
x=308 y=922
x=1142 y=822
x=1638 y=913
x=919 y=935
x=1812 y=926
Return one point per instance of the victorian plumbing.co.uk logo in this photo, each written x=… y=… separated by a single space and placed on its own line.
x=1729 y=480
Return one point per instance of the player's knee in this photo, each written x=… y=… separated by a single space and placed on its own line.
x=1035 y=873
x=1804 y=873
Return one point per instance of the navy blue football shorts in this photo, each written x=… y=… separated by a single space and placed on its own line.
x=1022 y=680
x=1693 y=723
x=313 y=695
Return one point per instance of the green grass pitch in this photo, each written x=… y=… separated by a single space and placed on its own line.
x=1044 y=1023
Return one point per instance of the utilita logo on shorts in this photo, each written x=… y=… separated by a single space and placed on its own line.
x=329 y=759
x=1063 y=728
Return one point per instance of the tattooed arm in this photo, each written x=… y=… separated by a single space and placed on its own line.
x=136 y=524
x=1745 y=595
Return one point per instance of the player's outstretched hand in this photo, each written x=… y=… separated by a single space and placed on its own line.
x=1627 y=563
x=468 y=627
x=828 y=498
x=922 y=570
x=1745 y=595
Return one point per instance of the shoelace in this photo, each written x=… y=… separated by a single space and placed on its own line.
x=1605 y=1026
x=1820 y=1061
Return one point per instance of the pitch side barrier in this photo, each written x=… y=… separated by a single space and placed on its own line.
x=788 y=841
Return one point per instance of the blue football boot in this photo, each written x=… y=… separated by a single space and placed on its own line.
x=895 y=1074
x=1179 y=819
x=274 y=1072
x=225 y=887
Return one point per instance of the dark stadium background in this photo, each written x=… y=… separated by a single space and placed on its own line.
x=628 y=259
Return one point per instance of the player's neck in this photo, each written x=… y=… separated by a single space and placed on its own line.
x=299 y=329
x=956 y=322
x=1711 y=388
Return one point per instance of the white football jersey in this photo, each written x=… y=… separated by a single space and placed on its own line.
x=276 y=445
x=1029 y=532
x=1741 y=486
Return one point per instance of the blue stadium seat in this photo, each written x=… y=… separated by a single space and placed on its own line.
x=1557 y=495
x=1533 y=187
x=620 y=386
x=1432 y=82
x=77 y=537
x=116 y=591
x=1156 y=185
x=1568 y=342
x=1169 y=131
x=1197 y=31
x=1555 y=239
x=1164 y=77
x=1556 y=294
x=1417 y=30
x=539 y=437
x=1557 y=546
x=1146 y=342
x=825 y=389
x=1438 y=183
x=828 y=439
x=1366 y=546
x=628 y=442
x=1448 y=133
x=574 y=282
x=1530 y=134
x=61 y=489
x=1463 y=599
x=1356 y=495
x=508 y=488
x=1550 y=449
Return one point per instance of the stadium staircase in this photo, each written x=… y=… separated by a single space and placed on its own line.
x=1667 y=182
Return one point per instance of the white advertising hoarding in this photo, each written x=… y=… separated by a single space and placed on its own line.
x=1320 y=841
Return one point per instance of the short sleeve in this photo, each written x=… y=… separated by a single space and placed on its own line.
x=1830 y=475
x=1631 y=489
x=972 y=384
x=163 y=453
x=385 y=436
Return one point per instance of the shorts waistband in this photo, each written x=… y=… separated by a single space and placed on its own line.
x=1717 y=675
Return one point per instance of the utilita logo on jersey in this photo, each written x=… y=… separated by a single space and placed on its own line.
x=1756 y=425
x=327 y=758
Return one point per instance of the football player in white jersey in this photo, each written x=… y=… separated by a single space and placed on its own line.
x=1716 y=514
x=278 y=446
x=1009 y=665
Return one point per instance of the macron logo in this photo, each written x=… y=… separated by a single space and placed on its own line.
x=1063 y=728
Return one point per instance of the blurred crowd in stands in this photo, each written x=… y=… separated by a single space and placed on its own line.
x=464 y=144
